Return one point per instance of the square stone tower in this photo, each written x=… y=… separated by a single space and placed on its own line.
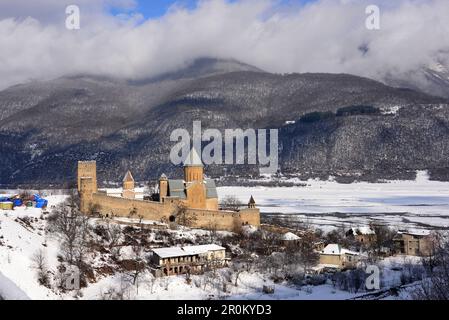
x=88 y=169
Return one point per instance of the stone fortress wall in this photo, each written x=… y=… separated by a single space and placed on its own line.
x=166 y=209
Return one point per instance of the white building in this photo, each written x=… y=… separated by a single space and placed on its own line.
x=188 y=259
x=334 y=256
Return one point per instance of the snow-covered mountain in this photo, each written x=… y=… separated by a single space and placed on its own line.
x=329 y=123
x=432 y=79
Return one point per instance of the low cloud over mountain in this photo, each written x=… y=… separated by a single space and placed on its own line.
x=320 y=36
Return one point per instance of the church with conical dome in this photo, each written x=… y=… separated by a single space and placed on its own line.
x=193 y=195
x=194 y=191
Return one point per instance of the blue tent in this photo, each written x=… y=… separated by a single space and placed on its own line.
x=40 y=203
x=4 y=199
x=17 y=202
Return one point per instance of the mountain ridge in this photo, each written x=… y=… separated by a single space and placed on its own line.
x=47 y=126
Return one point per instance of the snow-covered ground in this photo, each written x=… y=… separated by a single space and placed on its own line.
x=19 y=243
x=19 y=280
x=420 y=204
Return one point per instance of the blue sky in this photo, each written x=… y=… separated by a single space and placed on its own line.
x=157 y=8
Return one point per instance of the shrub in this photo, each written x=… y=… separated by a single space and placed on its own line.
x=231 y=203
x=43 y=278
x=316 y=280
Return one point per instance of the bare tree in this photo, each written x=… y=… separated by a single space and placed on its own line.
x=153 y=190
x=114 y=234
x=383 y=239
x=138 y=249
x=150 y=283
x=39 y=259
x=238 y=266
x=337 y=236
x=305 y=249
x=231 y=203
x=213 y=231
x=185 y=217
x=73 y=226
x=40 y=263
x=266 y=242
x=117 y=293
x=275 y=264
x=82 y=239
x=436 y=285
x=94 y=209
x=133 y=213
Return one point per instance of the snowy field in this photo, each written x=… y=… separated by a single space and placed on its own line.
x=18 y=274
x=19 y=241
x=319 y=201
x=420 y=204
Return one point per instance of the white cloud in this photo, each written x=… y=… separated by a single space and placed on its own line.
x=325 y=36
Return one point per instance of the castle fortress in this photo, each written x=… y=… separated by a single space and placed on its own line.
x=196 y=196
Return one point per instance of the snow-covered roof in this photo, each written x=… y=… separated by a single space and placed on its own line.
x=415 y=232
x=346 y=251
x=336 y=249
x=186 y=251
x=332 y=249
x=363 y=231
x=289 y=236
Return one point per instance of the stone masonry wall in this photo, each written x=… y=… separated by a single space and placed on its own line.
x=156 y=211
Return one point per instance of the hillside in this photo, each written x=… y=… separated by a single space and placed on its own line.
x=45 y=127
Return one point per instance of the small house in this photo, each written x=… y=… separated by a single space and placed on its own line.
x=363 y=235
x=188 y=259
x=290 y=238
x=333 y=255
x=416 y=243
